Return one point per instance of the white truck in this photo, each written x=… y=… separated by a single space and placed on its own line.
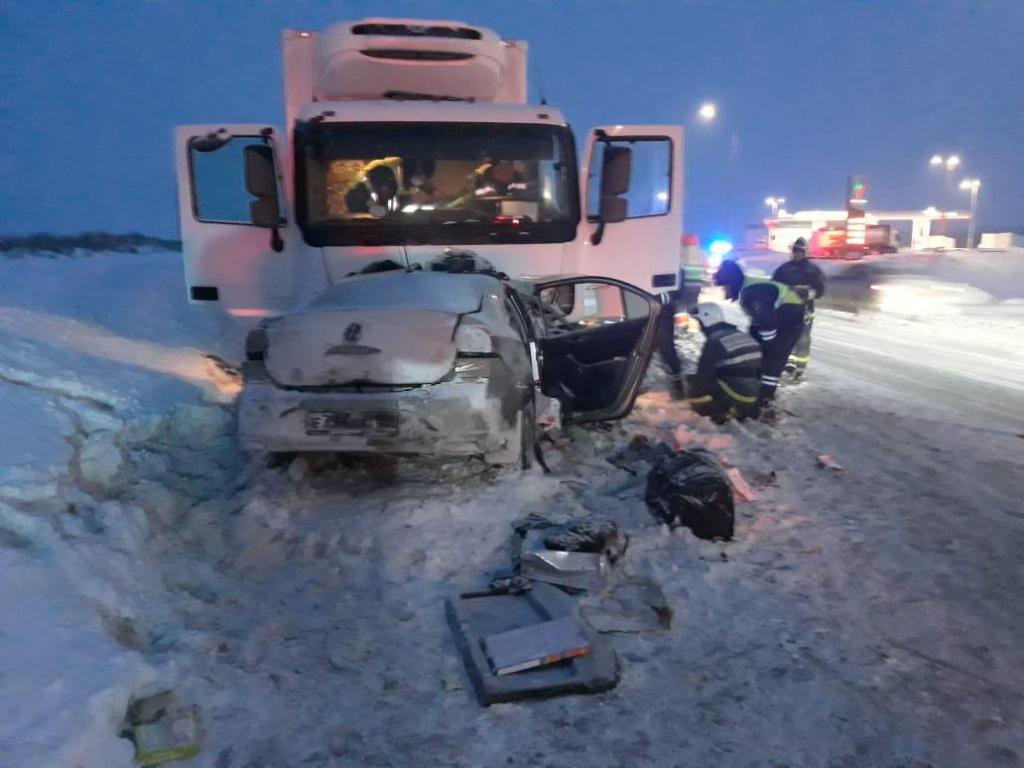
x=405 y=141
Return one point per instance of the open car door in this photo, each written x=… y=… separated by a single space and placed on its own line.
x=597 y=342
x=633 y=188
x=232 y=218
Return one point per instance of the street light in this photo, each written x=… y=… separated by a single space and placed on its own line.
x=972 y=185
x=950 y=163
x=774 y=203
x=708 y=111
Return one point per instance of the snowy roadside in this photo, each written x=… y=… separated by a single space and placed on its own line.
x=89 y=360
x=864 y=617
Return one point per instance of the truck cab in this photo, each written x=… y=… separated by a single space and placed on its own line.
x=405 y=139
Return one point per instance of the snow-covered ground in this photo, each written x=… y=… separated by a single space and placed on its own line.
x=863 y=617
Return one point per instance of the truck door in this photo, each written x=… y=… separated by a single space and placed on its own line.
x=230 y=204
x=633 y=191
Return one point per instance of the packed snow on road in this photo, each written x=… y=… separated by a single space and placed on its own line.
x=866 y=613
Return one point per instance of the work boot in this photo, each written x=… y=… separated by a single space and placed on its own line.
x=677 y=388
x=768 y=414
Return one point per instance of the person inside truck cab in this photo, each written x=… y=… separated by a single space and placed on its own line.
x=499 y=179
x=376 y=191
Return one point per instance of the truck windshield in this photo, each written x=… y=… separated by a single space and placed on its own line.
x=435 y=183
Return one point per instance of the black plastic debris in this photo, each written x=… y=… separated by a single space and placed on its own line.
x=600 y=536
x=640 y=454
x=691 y=488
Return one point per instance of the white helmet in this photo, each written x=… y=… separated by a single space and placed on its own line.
x=709 y=314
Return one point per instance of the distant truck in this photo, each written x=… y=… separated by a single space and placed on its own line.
x=831 y=243
x=404 y=138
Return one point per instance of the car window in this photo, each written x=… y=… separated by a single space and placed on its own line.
x=573 y=306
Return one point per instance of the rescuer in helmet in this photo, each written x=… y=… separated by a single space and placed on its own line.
x=728 y=378
x=807 y=279
x=776 y=315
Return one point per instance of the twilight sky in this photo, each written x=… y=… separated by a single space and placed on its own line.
x=809 y=91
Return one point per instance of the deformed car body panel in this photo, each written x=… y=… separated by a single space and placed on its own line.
x=471 y=414
x=374 y=366
x=376 y=346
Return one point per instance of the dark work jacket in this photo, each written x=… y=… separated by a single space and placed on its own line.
x=730 y=363
x=805 y=276
x=770 y=306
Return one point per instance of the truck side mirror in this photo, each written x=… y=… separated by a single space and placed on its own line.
x=261 y=183
x=616 y=170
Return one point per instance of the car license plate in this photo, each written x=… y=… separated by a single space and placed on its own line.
x=369 y=423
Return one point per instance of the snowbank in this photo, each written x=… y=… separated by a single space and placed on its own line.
x=66 y=676
x=89 y=349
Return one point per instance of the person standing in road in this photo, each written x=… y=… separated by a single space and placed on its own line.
x=776 y=315
x=807 y=279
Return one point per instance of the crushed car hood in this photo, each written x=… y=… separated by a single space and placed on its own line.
x=391 y=328
x=437 y=291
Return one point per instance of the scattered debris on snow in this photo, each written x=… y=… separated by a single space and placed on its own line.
x=825 y=461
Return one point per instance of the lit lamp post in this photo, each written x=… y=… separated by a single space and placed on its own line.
x=774 y=203
x=972 y=185
x=950 y=163
x=708 y=111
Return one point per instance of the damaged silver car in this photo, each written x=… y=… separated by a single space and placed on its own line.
x=441 y=364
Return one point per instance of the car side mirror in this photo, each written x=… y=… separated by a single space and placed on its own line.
x=615 y=175
x=261 y=183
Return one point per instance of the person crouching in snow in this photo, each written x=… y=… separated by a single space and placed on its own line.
x=776 y=314
x=728 y=374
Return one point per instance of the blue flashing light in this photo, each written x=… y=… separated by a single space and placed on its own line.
x=720 y=248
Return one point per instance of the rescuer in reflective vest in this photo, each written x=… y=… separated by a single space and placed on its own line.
x=807 y=279
x=728 y=378
x=776 y=315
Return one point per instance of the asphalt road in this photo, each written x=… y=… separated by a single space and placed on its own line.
x=966 y=371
